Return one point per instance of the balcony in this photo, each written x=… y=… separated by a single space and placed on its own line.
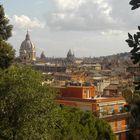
x=114 y=116
x=120 y=129
x=113 y=112
x=137 y=79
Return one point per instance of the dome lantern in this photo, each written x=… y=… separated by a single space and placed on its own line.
x=27 y=36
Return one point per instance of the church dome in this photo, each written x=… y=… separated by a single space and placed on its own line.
x=27 y=50
x=69 y=53
x=70 y=57
x=27 y=44
x=42 y=56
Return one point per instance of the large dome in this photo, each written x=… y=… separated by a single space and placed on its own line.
x=27 y=49
x=27 y=44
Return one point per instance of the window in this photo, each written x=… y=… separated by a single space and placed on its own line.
x=120 y=109
x=101 y=109
x=111 y=109
x=118 y=137
x=119 y=125
x=86 y=93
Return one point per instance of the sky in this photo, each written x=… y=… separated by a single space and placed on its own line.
x=90 y=28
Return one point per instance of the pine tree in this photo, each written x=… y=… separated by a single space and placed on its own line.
x=7 y=53
x=5 y=27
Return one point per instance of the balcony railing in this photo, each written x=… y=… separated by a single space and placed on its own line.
x=105 y=115
x=120 y=129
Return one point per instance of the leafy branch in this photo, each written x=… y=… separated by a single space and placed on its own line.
x=134 y=43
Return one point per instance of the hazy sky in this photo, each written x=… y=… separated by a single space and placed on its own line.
x=87 y=27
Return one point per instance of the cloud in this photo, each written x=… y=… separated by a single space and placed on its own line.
x=26 y=22
x=112 y=32
x=68 y=4
x=122 y=11
x=88 y=27
x=39 y=2
x=92 y=15
x=81 y=15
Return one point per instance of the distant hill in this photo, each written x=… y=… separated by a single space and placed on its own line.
x=111 y=61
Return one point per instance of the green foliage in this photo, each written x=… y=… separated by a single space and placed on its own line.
x=27 y=108
x=79 y=125
x=5 y=27
x=134 y=105
x=134 y=98
x=104 y=130
x=7 y=54
x=28 y=111
x=134 y=43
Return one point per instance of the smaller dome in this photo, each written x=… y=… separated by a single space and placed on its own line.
x=69 y=53
x=70 y=57
x=42 y=56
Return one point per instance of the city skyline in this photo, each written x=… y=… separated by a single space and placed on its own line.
x=55 y=26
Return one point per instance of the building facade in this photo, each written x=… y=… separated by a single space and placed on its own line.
x=112 y=109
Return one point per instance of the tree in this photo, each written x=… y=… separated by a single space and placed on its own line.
x=80 y=125
x=28 y=111
x=5 y=27
x=134 y=43
x=27 y=108
x=134 y=99
x=104 y=130
x=7 y=53
x=135 y=4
